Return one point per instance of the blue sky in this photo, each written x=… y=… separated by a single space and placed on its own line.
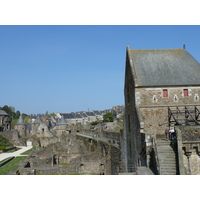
x=76 y=68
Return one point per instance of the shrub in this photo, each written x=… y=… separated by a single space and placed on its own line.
x=2 y=147
x=94 y=123
x=108 y=117
x=4 y=141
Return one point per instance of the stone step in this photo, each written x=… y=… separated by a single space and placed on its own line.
x=168 y=171
x=165 y=151
x=167 y=168
x=164 y=147
x=127 y=173
x=166 y=155
x=167 y=162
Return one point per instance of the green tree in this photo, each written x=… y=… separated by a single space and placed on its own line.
x=17 y=114
x=108 y=117
x=12 y=109
x=7 y=109
x=94 y=123
x=52 y=114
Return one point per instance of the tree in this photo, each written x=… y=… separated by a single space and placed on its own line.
x=12 y=109
x=7 y=109
x=108 y=117
x=94 y=123
x=17 y=114
x=52 y=114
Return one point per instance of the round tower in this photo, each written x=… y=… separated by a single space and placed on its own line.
x=61 y=126
x=21 y=126
x=35 y=125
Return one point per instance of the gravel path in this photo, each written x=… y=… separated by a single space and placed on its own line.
x=16 y=153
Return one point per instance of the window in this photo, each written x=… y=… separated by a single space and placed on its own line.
x=185 y=91
x=165 y=93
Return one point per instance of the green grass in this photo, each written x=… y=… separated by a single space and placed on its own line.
x=65 y=164
x=4 y=159
x=27 y=152
x=69 y=174
x=11 y=166
x=13 y=150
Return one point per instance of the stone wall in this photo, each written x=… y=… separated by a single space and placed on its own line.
x=153 y=107
x=112 y=135
x=14 y=137
x=132 y=136
x=191 y=149
x=5 y=123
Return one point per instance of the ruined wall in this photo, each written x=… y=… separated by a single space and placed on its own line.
x=190 y=137
x=5 y=123
x=21 y=130
x=14 y=137
x=152 y=106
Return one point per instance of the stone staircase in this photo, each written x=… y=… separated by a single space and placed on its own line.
x=167 y=157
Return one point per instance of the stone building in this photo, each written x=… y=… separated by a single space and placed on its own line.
x=21 y=127
x=35 y=125
x=5 y=121
x=162 y=88
x=61 y=127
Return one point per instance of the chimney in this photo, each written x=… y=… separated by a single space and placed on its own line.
x=184 y=46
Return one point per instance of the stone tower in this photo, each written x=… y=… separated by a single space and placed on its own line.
x=21 y=127
x=61 y=126
x=5 y=121
x=35 y=125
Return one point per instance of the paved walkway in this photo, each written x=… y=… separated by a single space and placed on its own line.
x=101 y=139
x=16 y=153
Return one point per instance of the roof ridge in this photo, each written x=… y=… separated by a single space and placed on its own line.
x=155 y=49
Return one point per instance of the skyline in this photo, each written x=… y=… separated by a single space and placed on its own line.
x=76 y=68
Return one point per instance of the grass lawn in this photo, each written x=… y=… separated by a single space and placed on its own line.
x=29 y=151
x=11 y=166
x=4 y=159
x=13 y=150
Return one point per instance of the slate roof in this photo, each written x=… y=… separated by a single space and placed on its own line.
x=165 y=67
x=90 y=114
x=20 y=120
x=2 y=112
x=62 y=121
x=68 y=115
x=77 y=115
x=37 y=120
x=84 y=115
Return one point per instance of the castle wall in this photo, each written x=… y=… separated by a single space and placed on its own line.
x=21 y=130
x=5 y=123
x=152 y=106
x=131 y=142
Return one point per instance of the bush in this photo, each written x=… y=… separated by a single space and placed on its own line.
x=4 y=141
x=94 y=123
x=2 y=148
x=108 y=117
